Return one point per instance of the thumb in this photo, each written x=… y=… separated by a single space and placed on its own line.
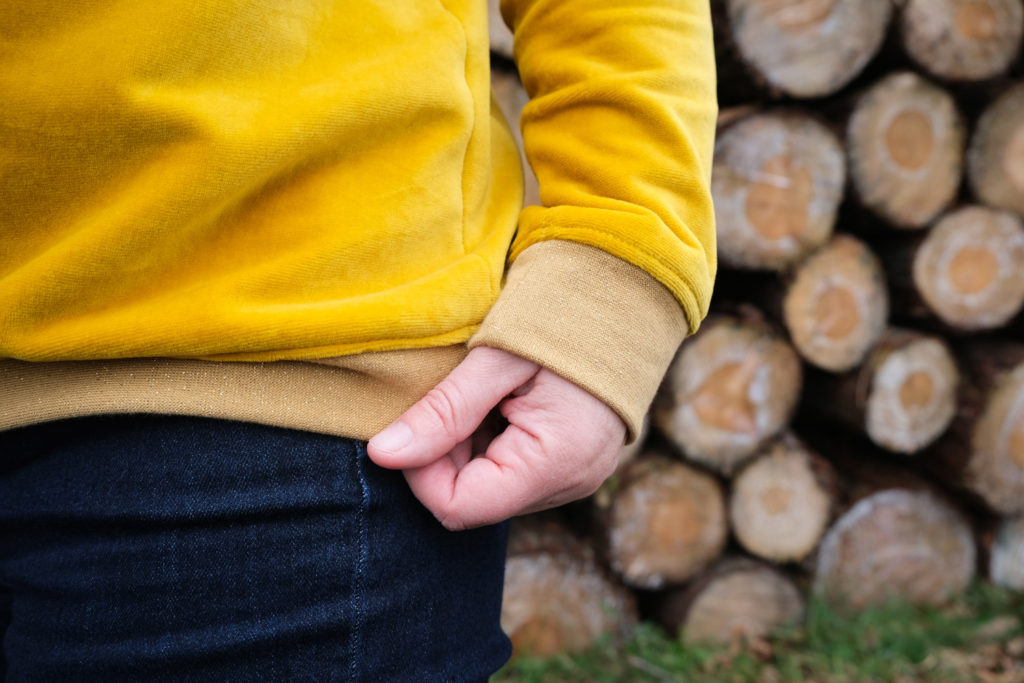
x=451 y=411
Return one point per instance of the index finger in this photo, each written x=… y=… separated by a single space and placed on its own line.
x=451 y=411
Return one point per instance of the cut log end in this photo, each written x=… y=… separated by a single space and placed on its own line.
x=969 y=269
x=903 y=396
x=1016 y=447
x=895 y=543
x=777 y=183
x=808 y=48
x=666 y=523
x=996 y=470
x=972 y=269
x=554 y=603
x=913 y=395
x=798 y=17
x=777 y=201
x=837 y=305
x=723 y=401
x=905 y=141
x=976 y=21
x=837 y=312
x=909 y=139
x=962 y=40
x=557 y=599
x=780 y=503
x=732 y=387
x=736 y=600
x=1013 y=159
x=995 y=158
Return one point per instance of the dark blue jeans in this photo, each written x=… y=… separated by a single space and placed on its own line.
x=176 y=548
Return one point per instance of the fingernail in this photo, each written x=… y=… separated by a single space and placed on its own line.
x=394 y=437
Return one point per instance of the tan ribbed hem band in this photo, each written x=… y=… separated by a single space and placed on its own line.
x=355 y=396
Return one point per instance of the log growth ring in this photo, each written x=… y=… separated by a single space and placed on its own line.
x=588 y=605
x=895 y=543
x=777 y=181
x=962 y=39
x=905 y=142
x=808 y=48
x=970 y=268
x=731 y=389
x=666 y=525
x=837 y=305
x=913 y=396
x=910 y=139
x=778 y=508
x=721 y=614
x=778 y=199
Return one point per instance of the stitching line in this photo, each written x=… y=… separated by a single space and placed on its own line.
x=356 y=643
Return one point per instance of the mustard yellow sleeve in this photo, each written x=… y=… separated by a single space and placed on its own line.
x=617 y=265
x=619 y=131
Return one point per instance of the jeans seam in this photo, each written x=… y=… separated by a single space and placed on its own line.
x=359 y=607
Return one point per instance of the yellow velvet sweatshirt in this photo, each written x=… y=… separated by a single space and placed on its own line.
x=303 y=212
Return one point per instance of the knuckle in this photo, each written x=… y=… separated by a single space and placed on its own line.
x=442 y=403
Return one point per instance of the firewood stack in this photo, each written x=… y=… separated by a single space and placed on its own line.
x=849 y=420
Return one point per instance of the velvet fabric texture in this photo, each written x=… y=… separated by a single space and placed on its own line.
x=237 y=180
x=246 y=180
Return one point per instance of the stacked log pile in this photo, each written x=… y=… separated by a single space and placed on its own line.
x=849 y=421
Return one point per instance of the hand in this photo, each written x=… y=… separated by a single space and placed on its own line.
x=559 y=445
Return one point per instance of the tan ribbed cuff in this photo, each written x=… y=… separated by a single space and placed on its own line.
x=591 y=317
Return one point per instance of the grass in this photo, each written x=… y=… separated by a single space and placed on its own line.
x=979 y=637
